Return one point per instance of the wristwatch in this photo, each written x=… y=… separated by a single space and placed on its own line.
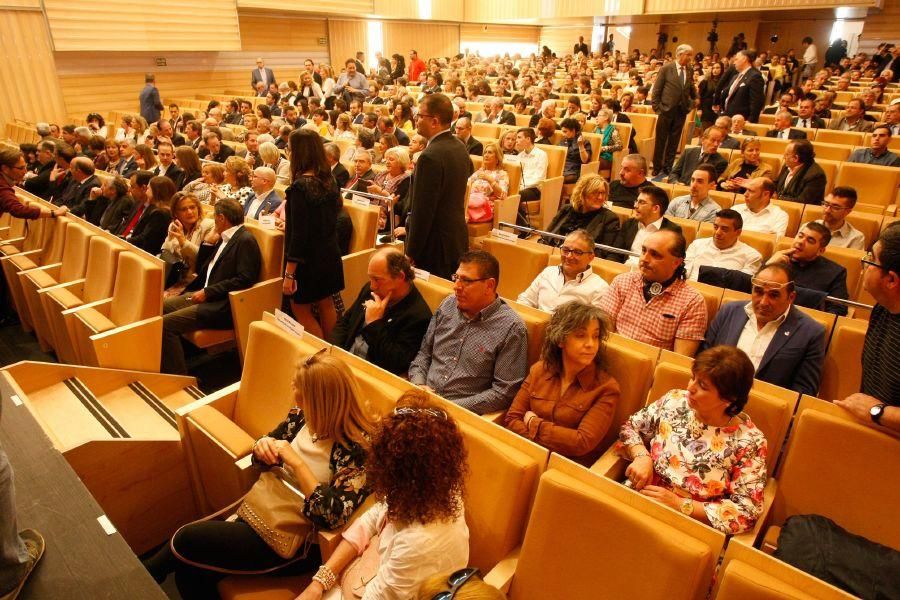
x=876 y=412
x=687 y=507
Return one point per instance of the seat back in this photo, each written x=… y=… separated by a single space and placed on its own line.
x=365 y=226
x=75 y=252
x=842 y=368
x=689 y=228
x=556 y=159
x=265 y=394
x=773 y=160
x=434 y=291
x=379 y=388
x=103 y=258
x=519 y=265
x=608 y=269
x=137 y=294
x=794 y=212
x=723 y=199
x=631 y=364
x=772 y=145
x=831 y=151
x=829 y=470
x=514 y=170
x=874 y=184
x=584 y=519
x=486 y=130
x=271 y=249
x=535 y=324
x=846 y=138
x=712 y=295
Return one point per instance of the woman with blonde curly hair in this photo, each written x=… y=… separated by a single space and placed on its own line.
x=588 y=211
x=237 y=182
x=419 y=516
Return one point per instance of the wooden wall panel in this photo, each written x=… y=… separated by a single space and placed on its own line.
x=882 y=25
x=29 y=89
x=345 y=39
x=500 y=11
x=20 y=4
x=498 y=33
x=267 y=32
x=437 y=10
x=563 y=39
x=675 y=6
x=429 y=39
x=329 y=7
x=161 y=25
x=791 y=31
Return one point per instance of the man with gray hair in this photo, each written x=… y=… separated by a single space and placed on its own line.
x=82 y=204
x=548 y=111
x=729 y=143
x=43 y=130
x=672 y=98
x=496 y=114
x=783 y=129
x=267 y=199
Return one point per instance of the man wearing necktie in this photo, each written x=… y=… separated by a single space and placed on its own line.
x=806 y=115
x=741 y=89
x=672 y=98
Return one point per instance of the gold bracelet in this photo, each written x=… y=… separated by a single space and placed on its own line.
x=326 y=577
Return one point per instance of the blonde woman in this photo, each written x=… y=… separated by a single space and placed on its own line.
x=273 y=159
x=747 y=166
x=587 y=211
x=344 y=129
x=487 y=185
x=212 y=175
x=323 y=444
x=237 y=182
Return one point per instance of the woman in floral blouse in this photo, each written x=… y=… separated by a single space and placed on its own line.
x=323 y=444
x=706 y=458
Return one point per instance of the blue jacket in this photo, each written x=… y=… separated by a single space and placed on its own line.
x=269 y=204
x=151 y=105
x=794 y=357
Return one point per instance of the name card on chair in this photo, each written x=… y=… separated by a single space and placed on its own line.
x=507 y=236
x=422 y=274
x=359 y=200
x=287 y=322
x=16 y=400
x=267 y=221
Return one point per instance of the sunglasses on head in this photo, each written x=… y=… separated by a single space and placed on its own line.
x=412 y=410
x=456 y=581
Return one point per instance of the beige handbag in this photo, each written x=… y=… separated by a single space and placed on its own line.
x=272 y=509
x=360 y=572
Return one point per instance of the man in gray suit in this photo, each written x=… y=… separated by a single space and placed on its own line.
x=672 y=98
x=261 y=74
x=437 y=234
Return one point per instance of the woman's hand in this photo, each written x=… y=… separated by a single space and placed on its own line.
x=286 y=452
x=176 y=230
x=265 y=451
x=289 y=286
x=640 y=471
x=663 y=496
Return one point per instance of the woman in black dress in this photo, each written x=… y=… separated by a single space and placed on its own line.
x=313 y=270
x=707 y=96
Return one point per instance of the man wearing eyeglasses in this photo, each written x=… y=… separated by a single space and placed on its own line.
x=475 y=350
x=572 y=279
x=836 y=208
x=878 y=400
x=811 y=269
x=785 y=345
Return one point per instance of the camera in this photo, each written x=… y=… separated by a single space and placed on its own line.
x=662 y=38
x=774 y=38
x=713 y=37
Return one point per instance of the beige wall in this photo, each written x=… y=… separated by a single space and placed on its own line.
x=562 y=39
x=428 y=39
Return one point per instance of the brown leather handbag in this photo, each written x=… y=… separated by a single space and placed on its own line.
x=272 y=509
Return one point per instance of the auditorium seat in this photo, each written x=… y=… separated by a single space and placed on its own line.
x=519 y=265
x=434 y=290
x=847 y=138
x=689 y=228
x=221 y=429
x=839 y=152
x=535 y=324
x=97 y=284
x=722 y=198
x=644 y=125
x=365 y=225
x=380 y=388
x=485 y=130
x=794 y=212
x=774 y=160
x=608 y=269
x=829 y=469
x=748 y=574
x=607 y=534
x=712 y=296
x=874 y=184
x=842 y=369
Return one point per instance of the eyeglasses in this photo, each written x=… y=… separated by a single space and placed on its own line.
x=404 y=411
x=465 y=280
x=456 y=581
x=766 y=285
x=422 y=115
x=565 y=250
x=832 y=206
x=869 y=260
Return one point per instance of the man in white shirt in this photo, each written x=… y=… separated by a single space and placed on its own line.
x=723 y=249
x=572 y=279
x=758 y=212
x=697 y=205
x=534 y=164
x=835 y=209
x=810 y=58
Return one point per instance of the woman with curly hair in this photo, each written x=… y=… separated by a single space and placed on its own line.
x=323 y=444
x=419 y=516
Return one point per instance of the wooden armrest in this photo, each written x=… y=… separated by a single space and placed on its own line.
x=79 y=283
x=770 y=541
x=222 y=400
x=26 y=253
x=501 y=575
x=495 y=417
x=17 y=242
x=610 y=465
x=101 y=306
x=749 y=538
x=52 y=270
x=135 y=346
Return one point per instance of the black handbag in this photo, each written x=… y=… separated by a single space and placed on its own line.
x=175 y=266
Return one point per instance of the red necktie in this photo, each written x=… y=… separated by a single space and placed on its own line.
x=134 y=220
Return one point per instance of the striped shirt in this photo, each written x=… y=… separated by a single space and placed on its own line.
x=478 y=363
x=880 y=377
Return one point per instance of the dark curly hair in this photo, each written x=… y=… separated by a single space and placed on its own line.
x=417 y=463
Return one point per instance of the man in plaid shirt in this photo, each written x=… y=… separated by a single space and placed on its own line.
x=655 y=305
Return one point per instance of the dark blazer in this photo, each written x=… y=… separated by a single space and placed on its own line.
x=224 y=153
x=393 y=340
x=361 y=184
x=748 y=97
x=82 y=205
x=602 y=224
x=401 y=136
x=436 y=233
x=341 y=175
x=628 y=232
x=39 y=185
x=807 y=186
x=175 y=173
x=271 y=202
x=255 y=77
x=824 y=275
x=116 y=212
x=688 y=161
x=237 y=269
x=150 y=232
x=771 y=110
x=794 y=357
x=151 y=105
x=730 y=143
x=127 y=167
x=473 y=146
x=668 y=93
x=793 y=134
x=816 y=123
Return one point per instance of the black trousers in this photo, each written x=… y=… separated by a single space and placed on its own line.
x=234 y=546
x=528 y=194
x=668 y=133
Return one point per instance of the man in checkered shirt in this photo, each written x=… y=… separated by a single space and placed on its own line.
x=654 y=304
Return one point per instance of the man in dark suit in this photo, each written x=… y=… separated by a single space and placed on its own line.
x=743 y=92
x=165 y=153
x=267 y=199
x=464 y=134
x=724 y=123
x=783 y=129
x=707 y=152
x=83 y=203
x=214 y=149
x=261 y=74
x=672 y=98
x=786 y=346
x=227 y=261
x=801 y=179
x=363 y=175
x=385 y=125
x=387 y=321
x=333 y=156
x=38 y=181
x=648 y=217
x=806 y=115
x=436 y=231
x=128 y=163
x=581 y=47
x=784 y=103
x=168 y=133
x=496 y=114
x=151 y=105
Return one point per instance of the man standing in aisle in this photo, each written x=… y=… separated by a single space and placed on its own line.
x=437 y=227
x=672 y=98
x=261 y=74
x=151 y=105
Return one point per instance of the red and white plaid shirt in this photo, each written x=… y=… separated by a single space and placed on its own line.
x=678 y=313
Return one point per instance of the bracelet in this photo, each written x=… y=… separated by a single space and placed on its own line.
x=644 y=453
x=289 y=276
x=325 y=577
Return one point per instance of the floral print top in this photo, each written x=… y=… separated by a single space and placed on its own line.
x=723 y=467
x=331 y=504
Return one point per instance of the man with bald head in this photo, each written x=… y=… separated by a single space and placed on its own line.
x=267 y=199
x=387 y=321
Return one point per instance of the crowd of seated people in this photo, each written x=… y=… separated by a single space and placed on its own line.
x=177 y=189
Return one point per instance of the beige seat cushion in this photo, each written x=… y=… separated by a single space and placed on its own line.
x=8 y=250
x=65 y=298
x=41 y=279
x=223 y=430
x=205 y=338
x=22 y=263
